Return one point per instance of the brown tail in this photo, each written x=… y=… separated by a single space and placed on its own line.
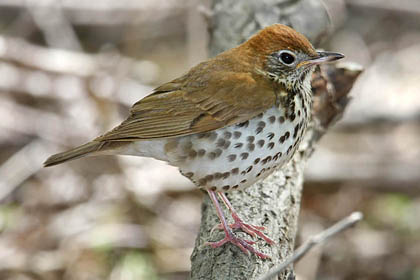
x=75 y=153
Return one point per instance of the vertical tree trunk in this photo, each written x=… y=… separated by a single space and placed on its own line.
x=273 y=203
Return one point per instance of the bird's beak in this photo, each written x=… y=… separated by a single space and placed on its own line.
x=326 y=57
x=321 y=58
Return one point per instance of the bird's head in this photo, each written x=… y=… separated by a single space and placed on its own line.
x=286 y=56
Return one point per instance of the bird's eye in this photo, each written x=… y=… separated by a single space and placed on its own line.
x=287 y=58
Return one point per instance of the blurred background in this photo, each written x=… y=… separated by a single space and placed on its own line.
x=69 y=70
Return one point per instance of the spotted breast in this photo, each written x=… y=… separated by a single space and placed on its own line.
x=236 y=156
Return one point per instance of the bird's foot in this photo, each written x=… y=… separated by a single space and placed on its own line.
x=250 y=229
x=243 y=244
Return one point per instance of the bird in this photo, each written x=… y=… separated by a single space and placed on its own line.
x=227 y=123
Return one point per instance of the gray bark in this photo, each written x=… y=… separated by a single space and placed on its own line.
x=273 y=203
x=233 y=22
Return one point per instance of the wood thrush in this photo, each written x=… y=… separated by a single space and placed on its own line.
x=227 y=123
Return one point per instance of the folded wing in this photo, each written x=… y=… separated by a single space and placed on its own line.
x=189 y=105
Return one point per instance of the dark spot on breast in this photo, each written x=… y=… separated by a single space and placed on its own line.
x=270 y=135
x=270 y=145
x=235 y=187
x=260 y=143
x=218 y=152
x=281 y=119
x=266 y=160
x=235 y=171
x=292 y=105
x=212 y=155
x=250 y=139
x=292 y=117
x=243 y=181
x=226 y=145
x=237 y=134
x=282 y=139
x=231 y=157
x=220 y=142
x=213 y=136
x=289 y=149
x=187 y=146
x=248 y=169
x=277 y=156
x=226 y=175
x=272 y=119
x=209 y=177
x=257 y=160
x=238 y=145
x=251 y=147
x=226 y=188
x=202 y=182
x=214 y=188
x=244 y=155
x=259 y=116
x=244 y=124
x=192 y=154
x=287 y=135
x=295 y=132
x=217 y=175
x=299 y=113
x=260 y=127
x=201 y=152
x=227 y=134
x=262 y=171
x=189 y=175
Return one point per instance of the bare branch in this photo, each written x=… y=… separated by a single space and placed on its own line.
x=315 y=240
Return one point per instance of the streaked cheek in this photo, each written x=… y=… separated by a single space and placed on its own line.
x=303 y=76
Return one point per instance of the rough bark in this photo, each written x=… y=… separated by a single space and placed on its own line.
x=273 y=203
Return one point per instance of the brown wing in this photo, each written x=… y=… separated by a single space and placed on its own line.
x=195 y=103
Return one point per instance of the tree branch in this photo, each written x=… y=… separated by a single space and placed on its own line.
x=315 y=240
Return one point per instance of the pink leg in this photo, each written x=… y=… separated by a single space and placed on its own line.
x=250 y=229
x=244 y=245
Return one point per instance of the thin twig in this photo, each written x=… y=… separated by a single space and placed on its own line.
x=57 y=30
x=20 y=166
x=315 y=240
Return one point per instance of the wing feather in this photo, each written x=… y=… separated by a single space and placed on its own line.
x=193 y=104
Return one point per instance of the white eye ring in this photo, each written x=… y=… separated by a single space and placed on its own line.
x=286 y=57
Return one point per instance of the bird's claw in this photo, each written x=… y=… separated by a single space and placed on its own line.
x=250 y=229
x=243 y=244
